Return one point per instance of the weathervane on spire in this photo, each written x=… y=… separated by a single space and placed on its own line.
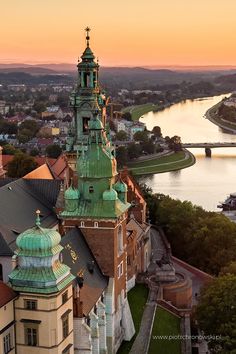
x=87 y=29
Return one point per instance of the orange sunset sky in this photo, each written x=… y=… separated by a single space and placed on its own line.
x=124 y=32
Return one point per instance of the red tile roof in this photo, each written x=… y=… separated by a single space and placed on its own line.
x=41 y=160
x=6 y=294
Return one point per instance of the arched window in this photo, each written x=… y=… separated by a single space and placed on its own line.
x=96 y=224
x=120 y=240
x=82 y=224
x=1 y=272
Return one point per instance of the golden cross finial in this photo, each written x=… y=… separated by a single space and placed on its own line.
x=87 y=30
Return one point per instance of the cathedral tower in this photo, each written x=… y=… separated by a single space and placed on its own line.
x=97 y=202
x=43 y=309
x=87 y=100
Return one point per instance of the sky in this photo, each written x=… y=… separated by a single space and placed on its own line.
x=124 y=32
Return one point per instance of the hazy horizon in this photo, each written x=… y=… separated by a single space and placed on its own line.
x=133 y=33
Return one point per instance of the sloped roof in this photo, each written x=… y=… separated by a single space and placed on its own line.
x=78 y=256
x=41 y=172
x=18 y=202
x=7 y=294
x=39 y=159
x=59 y=166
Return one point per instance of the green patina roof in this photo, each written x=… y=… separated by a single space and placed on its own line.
x=98 y=162
x=38 y=242
x=95 y=124
x=110 y=194
x=87 y=54
x=72 y=193
x=100 y=209
x=43 y=290
x=120 y=186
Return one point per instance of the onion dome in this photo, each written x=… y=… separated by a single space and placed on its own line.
x=71 y=193
x=120 y=186
x=109 y=195
x=38 y=241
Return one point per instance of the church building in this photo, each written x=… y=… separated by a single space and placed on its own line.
x=70 y=271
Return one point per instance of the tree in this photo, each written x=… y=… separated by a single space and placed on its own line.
x=175 y=143
x=121 y=156
x=127 y=116
x=134 y=150
x=121 y=135
x=216 y=314
x=34 y=152
x=207 y=240
x=21 y=165
x=9 y=149
x=27 y=130
x=141 y=136
x=157 y=131
x=148 y=146
x=53 y=151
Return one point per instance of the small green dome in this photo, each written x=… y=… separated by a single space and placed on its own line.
x=38 y=241
x=110 y=195
x=121 y=187
x=95 y=124
x=71 y=193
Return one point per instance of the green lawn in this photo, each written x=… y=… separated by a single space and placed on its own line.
x=171 y=162
x=165 y=324
x=139 y=110
x=137 y=299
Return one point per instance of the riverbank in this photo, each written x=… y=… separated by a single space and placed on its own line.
x=139 y=110
x=214 y=118
x=167 y=163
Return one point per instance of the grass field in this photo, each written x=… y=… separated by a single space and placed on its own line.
x=139 y=110
x=165 y=324
x=137 y=299
x=162 y=164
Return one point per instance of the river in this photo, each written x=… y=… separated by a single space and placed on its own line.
x=210 y=180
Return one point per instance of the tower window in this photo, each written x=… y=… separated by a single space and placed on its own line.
x=91 y=189
x=85 y=124
x=65 y=326
x=7 y=343
x=96 y=224
x=120 y=240
x=64 y=297
x=31 y=336
x=31 y=304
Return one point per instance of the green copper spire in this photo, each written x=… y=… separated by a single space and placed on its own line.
x=88 y=101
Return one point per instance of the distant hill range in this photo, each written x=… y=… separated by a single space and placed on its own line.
x=123 y=77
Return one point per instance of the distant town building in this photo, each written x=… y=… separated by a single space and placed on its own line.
x=52 y=111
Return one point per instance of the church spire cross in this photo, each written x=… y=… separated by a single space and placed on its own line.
x=87 y=30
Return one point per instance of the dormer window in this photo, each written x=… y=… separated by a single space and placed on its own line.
x=91 y=189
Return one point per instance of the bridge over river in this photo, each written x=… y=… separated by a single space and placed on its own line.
x=209 y=146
